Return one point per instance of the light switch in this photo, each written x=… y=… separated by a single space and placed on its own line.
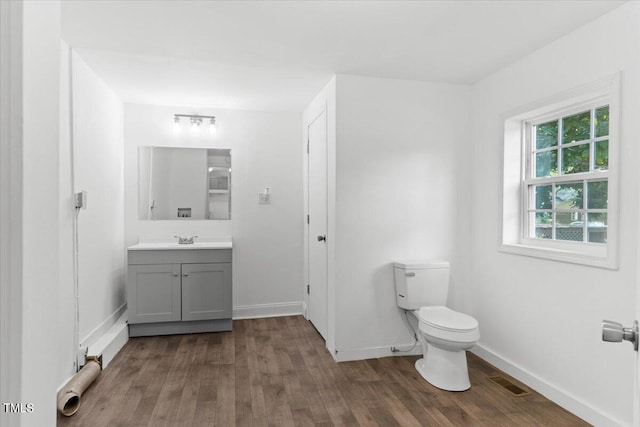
x=264 y=198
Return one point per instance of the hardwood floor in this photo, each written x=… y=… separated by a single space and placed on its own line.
x=277 y=372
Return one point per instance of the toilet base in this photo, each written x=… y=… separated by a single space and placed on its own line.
x=444 y=369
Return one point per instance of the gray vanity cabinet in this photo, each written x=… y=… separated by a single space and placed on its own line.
x=205 y=291
x=154 y=293
x=179 y=291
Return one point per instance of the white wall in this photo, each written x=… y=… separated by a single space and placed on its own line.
x=99 y=170
x=41 y=85
x=398 y=146
x=267 y=239
x=541 y=319
x=93 y=163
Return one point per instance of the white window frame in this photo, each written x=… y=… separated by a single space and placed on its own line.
x=516 y=150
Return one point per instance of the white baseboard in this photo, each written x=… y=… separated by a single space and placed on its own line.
x=559 y=396
x=102 y=328
x=111 y=342
x=349 y=354
x=267 y=310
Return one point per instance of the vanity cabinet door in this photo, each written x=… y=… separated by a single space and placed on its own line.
x=206 y=291
x=153 y=293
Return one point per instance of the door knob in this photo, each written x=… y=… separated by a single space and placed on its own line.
x=322 y=238
x=615 y=332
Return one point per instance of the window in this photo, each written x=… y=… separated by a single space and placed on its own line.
x=560 y=186
x=566 y=184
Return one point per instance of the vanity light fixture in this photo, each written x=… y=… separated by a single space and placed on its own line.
x=196 y=122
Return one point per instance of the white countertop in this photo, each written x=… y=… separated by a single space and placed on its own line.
x=165 y=246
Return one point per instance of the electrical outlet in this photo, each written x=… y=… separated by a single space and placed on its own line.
x=81 y=200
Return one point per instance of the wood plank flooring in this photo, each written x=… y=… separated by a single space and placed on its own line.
x=277 y=372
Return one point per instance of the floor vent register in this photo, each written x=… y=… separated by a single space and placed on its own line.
x=512 y=388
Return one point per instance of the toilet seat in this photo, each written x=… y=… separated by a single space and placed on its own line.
x=444 y=318
x=443 y=323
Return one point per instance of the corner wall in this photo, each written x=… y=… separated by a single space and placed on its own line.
x=267 y=239
x=539 y=319
x=398 y=150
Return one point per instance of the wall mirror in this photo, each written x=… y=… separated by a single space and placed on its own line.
x=184 y=183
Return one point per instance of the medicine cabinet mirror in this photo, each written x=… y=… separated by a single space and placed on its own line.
x=184 y=183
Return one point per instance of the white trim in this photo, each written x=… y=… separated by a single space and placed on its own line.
x=349 y=354
x=516 y=156
x=111 y=342
x=92 y=337
x=11 y=218
x=268 y=310
x=552 y=392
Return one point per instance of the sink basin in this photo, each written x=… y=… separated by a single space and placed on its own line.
x=164 y=246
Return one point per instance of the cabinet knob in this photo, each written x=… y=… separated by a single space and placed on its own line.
x=175 y=274
x=185 y=275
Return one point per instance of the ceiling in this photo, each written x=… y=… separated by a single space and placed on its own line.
x=277 y=55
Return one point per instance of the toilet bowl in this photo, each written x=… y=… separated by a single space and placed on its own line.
x=445 y=334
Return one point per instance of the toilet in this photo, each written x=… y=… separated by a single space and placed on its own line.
x=422 y=288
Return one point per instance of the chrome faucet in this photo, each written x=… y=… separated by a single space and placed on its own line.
x=185 y=240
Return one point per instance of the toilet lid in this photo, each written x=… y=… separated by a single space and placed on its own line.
x=447 y=319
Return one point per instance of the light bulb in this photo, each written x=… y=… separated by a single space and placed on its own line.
x=212 y=126
x=195 y=124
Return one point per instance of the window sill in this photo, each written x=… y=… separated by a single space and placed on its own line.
x=603 y=260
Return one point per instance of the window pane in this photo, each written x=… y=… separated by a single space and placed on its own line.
x=546 y=135
x=547 y=163
x=570 y=226
x=602 y=121
x=598 y=195
x=601 y=161
x=543 y=222
x=575 y=159
x=597 y=227
x=544 y=196
x=576 y=128
x=569 y=195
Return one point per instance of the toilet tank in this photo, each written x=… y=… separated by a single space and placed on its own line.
x=420 y=284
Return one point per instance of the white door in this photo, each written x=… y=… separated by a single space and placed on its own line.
x=616 y=332
x=317 y=211
x=636 y=397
